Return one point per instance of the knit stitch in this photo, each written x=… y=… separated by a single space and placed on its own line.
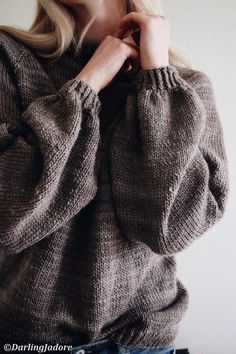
x=98 y=193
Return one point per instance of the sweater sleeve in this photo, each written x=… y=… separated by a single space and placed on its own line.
x=168 y=165
x=47 y=160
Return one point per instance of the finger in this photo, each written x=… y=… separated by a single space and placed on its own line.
x=126 y=30
x=135 y=33
x=131 y=22
x=123 y=34
x=132 y=55
x=131 y=44
x=134 y=20
x=126 y=66
x=131 y=51
x=134 y=17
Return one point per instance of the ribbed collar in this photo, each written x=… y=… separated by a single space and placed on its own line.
x=86 y=50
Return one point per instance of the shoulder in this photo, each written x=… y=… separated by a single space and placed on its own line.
x=196 y=78
x=202 y=85
x=11 y=49
x=21 y=72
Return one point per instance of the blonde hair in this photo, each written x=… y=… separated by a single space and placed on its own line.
x=53 y=29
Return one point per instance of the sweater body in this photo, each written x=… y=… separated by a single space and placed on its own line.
x=88 y=247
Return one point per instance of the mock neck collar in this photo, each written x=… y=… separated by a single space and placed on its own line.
x=85 y=52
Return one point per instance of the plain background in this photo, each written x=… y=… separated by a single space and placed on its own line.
x=205 y=31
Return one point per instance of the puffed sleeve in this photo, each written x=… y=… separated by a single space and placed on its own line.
x=47 y=159
x=168 y=164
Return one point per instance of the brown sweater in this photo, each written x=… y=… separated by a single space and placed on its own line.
x=98 y=193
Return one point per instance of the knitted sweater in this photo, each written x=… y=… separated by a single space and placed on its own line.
x=98 y=193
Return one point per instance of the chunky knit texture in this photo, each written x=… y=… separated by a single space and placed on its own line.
x=98 y=192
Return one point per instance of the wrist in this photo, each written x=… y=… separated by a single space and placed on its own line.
x=89 y=80
x=154 y=66
x=150 y=65
x=150 y=62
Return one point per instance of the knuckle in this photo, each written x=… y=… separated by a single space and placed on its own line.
x=108 y=37
x=123 y=46
x=151 y=21
x=147 y=20
x=117 y=42
x=157 y=19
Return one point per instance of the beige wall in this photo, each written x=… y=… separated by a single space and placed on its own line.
x=17 y=12
x=205 y=30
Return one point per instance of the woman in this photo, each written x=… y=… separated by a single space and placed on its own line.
x=112 y=161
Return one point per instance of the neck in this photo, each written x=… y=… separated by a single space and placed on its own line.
x=104 y=24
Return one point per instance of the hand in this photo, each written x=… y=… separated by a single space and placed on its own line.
x=154 y=37
x=106 y=62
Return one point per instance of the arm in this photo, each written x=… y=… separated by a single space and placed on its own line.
x=169 y=172
x=47 y=160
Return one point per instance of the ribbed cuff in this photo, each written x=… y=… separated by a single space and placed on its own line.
x=163 y=78
x=89 y=96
